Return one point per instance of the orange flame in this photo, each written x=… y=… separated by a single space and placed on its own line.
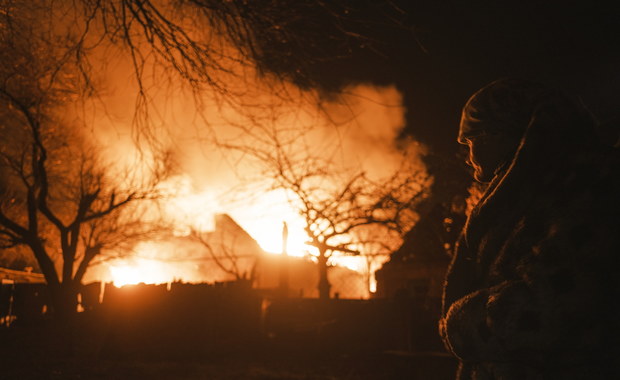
x=194 y=196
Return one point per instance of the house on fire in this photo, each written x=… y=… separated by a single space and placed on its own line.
x=229 y=253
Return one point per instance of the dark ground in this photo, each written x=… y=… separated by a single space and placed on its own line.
x=220 y=332
x=32 y=354
x=370 y=367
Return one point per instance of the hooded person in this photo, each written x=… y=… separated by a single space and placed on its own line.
x=531 y=288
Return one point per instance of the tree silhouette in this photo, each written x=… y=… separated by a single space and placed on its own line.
x=54 y=188
x=57 y=196
x=209 y=46
x=282 y=37
x=344 y=209
x=232 y=250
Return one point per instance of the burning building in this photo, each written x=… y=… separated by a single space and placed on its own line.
x=228 y=253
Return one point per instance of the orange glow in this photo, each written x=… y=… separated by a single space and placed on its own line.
x=186 y=207
x=204 y=185
x=183 y=130
x=141 y=272
x=262 y=216
x=151 y=263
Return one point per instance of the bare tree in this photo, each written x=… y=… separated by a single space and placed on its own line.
x=229 y=256
x=67 y=220
x=282 y=37
x=51 y=63
x=334 y=220
x=211 y=46
x=345 y=210
x=231 y=248
x=57 y=198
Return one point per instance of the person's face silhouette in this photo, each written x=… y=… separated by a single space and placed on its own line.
x=487 y=153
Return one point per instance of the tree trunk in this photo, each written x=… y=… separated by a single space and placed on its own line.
x=324 y=285
x=64 y=301
x=64 y=305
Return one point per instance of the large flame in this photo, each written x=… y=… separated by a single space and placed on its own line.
x=153 y=263
x=262 y=217
x=369 y=122
x=147 y=272
x=359 y=129
x=140 y=268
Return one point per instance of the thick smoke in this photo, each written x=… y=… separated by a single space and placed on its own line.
x=201 y=133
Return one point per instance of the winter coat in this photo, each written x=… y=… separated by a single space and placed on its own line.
x=532 y=287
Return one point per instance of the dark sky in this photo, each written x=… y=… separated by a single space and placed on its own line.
x=571 y=46
x=443 y=51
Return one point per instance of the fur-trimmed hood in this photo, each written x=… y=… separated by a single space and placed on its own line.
x=532 y=279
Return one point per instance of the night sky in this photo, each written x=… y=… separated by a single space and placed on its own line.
x=443 y=51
